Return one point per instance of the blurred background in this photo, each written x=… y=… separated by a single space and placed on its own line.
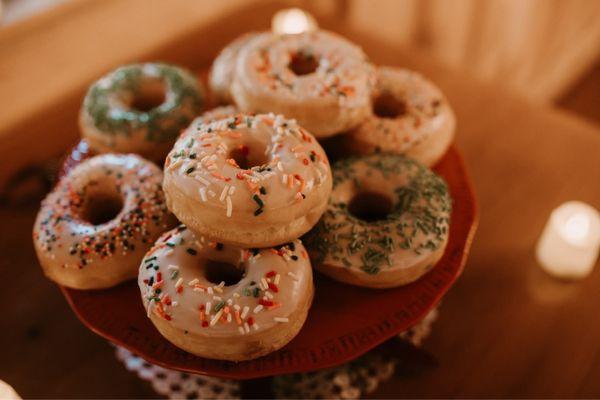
x=547 y=50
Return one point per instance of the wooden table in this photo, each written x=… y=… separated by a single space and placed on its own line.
x=506 y=329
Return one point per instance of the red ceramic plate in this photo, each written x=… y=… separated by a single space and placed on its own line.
x=344 y=321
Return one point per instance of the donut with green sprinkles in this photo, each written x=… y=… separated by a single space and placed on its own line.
x=93 y=229
x=140 y=108
x=387 y=222
x=220 y=301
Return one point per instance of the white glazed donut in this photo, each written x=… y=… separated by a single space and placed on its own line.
x=263 y=306
x=410 y=116
x=319 y=78
x=387 y=222
x=251 y=181
x=222 y=69
x=96 y=225
x=140 y=108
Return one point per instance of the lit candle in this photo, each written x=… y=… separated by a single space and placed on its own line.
x=293 y=20
x=7 y=392
x=569 y=245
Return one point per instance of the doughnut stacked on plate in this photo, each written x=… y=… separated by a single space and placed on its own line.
x=233 y=280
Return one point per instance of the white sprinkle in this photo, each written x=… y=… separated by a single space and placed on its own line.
x=231 y=190
x=217 y=298
x=229 y=317
x=149 y=309
x=208 y=307
x=255 y=326
x=245 y=312
x=202 y=180
x=210 y=290
x=174 y=303
x=216 y=317
x=241 y=330
x=277 y=278
x=269 y=295
x=193 y=282
x=229 y=206
x=264 y=283
x=293 y=275
x=224 y=193
x=280 y=166
x=246 y=327
x=280 y=319
x=229 y=302
x=236 y=307
x=222 y=284
x=202 y=191
x=198 y=289
x=172 y=267
x=179 y=282
x=284 y=179
x=211 y=193
x=258 y=309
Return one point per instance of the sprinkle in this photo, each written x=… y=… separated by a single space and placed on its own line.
x=210 y=290
x=246 y=327
x=281 y=319
x=219 y=305
x=245 y=312
x=255 y=326
x=193 y=282
x=208 y=307
x=268 y=295
x=224 y=193
x=241 y=329
x=280 y=166
x=214 y=320
x=258 y=309
x=179 y=282
x=277 y=278
x=229 y=206
x=264 y=283
x=202 y=191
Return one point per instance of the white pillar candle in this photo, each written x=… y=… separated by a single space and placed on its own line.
x=7 y=392
x=293 y=20
x=569 y=245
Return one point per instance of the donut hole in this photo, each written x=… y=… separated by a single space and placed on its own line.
x=150 y=95
x=218 y=271
x=303 y=63
x=388 y=106
x=100 y=208
x=370 y=206
x=247 y=157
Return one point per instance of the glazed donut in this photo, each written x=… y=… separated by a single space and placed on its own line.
x=250 y=181
x=386 y=224
x=409 y=116
x=96 y=225
x=140 y=108
x=222 y=69
x=319 y=78
x=223 y=302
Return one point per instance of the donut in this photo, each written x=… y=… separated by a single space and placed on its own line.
x=409 y=116
x=140 y=108
x=224 y=302
x=93 y=229
x=222 y=69
x=319 y=78
x=248 y=180
x=386 y=224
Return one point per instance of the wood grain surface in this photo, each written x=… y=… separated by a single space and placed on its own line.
x=505 y=330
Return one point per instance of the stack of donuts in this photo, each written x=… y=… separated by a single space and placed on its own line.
x=223 y=238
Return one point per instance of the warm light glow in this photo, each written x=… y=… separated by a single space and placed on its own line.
x=7 y=392
x=570 y=242
x=293 y=21
x=576 y=228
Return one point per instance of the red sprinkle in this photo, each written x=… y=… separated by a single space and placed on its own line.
x=250 y=321
x=204 y=324
x=273 y=287
x=266 y=303
x=271 y=274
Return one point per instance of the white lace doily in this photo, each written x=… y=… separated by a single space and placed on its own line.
x=347 y=381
